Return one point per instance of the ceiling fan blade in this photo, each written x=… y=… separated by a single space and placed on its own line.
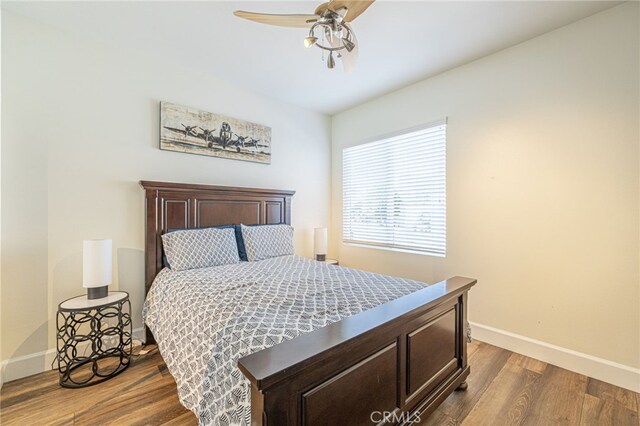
x=354 y=7
x=321 y=8
x=294 y=21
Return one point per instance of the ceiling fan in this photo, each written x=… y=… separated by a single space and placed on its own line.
x=329 y=28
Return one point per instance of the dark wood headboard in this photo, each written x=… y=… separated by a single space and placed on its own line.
x=184 y=206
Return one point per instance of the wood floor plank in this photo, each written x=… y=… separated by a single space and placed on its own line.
x=508 y=399
x=608 y=392
x=528 y=363
x=559 y=400
x=66 y=420
x=184 y=419
x=472 y=348
x=154 y=408
x=17 y=394
x=438 y=418
x=486 y=362
x=605 y=412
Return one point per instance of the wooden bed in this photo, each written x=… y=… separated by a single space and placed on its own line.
x=392 y=364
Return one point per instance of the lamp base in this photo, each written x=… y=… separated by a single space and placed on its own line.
x=321 y=257
x=97 y=292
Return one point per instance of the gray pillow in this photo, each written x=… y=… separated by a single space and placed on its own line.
x=200 y=248
x=263 y=242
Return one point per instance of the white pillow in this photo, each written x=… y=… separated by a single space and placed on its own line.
x=200 y=248
x=265 y=241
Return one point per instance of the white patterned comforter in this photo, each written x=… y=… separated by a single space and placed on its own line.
x=204 y=320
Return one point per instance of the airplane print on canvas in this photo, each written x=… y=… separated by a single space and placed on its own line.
x=185 y=129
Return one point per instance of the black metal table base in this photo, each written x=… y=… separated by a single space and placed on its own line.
x=96 y=377
x=108 y=342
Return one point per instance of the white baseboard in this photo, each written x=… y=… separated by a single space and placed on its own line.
x=28 y=365
x=591 y=366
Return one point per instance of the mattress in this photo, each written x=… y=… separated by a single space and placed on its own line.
x=204 y=320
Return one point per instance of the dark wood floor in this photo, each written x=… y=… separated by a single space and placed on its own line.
x=504 y=388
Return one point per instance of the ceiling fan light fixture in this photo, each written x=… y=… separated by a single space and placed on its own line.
x=348 y=44
x=310 y=41
x=331 y=63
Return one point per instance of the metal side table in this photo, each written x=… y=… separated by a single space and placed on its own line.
x=94 y=339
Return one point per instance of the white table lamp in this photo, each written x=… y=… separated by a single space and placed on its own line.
x=320 y=244
x=97 y=261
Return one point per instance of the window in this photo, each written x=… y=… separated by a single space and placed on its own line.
x=394 y=191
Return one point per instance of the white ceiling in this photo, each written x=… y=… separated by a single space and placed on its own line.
x=400 y=41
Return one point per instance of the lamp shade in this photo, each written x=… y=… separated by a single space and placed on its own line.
x=96 y=263
x=320 y=241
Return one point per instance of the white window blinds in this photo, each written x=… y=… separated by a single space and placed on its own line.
x=394 y=191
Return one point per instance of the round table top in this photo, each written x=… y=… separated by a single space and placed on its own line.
x=80 y=303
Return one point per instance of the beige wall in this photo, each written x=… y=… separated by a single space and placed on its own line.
x=80 y=129
x=543 y=184
x=1 y=375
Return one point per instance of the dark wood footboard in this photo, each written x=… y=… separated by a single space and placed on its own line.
x=392 y=364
